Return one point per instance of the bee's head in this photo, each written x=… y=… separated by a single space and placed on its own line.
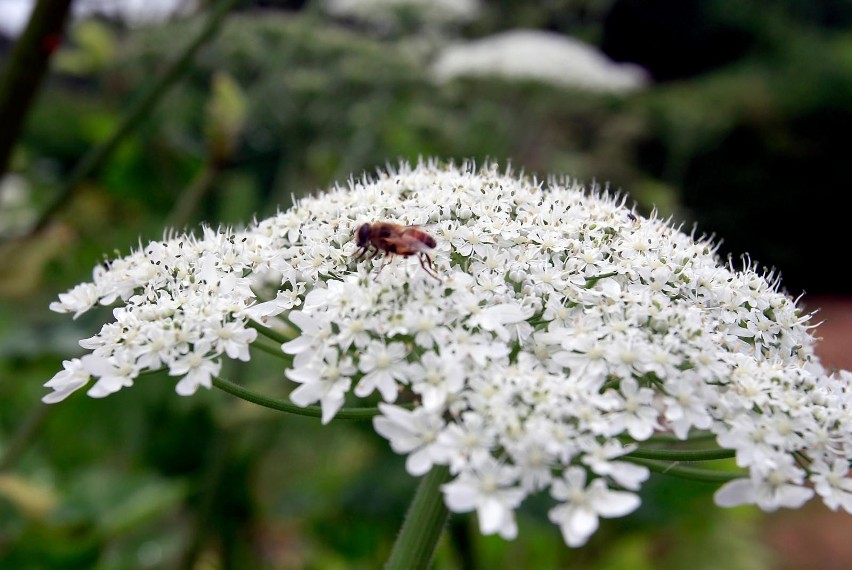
x=362 y=235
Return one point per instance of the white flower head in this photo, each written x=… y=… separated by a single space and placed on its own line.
x=559 y=326
x=387 y=13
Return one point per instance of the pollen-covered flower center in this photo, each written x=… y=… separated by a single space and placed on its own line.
x=332 y=372
x=383 y=360
x=434 y=377
x=490 y=484
x=195 y=359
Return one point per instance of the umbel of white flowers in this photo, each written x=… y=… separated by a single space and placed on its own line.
x=562 y=326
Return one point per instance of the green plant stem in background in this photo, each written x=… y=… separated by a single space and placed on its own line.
x=138 y=110
x=25 y=69
x=424 y=522
x=23 y=438
x=190 y=198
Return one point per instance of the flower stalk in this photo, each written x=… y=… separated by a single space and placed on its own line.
x=424 y=522
x=285 y=406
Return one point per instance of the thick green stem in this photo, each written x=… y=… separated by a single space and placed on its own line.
x=424 y=523
x=25 y=69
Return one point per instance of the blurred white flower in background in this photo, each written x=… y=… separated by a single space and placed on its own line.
x=388 y=13
x=539 y=56
x=134 y=12
x=14 y=14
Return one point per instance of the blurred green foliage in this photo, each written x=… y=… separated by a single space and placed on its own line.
x=280 y=105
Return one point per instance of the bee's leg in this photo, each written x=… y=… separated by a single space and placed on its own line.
x=385 y=261
x=424 y=259
x=359 y=253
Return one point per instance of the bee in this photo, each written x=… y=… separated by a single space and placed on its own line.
x=395 y=239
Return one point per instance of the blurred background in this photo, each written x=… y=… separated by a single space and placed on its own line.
x=729 y=115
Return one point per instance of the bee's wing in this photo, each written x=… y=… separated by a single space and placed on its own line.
x=405 y=242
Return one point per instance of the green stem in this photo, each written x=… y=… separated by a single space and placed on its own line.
x=684 y=472
x=272 y=350
x=591 y=281
x=25 y=69
x=672 y=438
x=23 y=438
x=273 y=334
x=682 y=455
x=284 y=406
x=138 y=111
x=424 y=523
x=190 y=198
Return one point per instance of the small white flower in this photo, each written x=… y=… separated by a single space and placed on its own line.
x=490 y=489
x=637 y=413
x=284 y=301
x=599 y=458
x=769 y=487
x=315 y=334
x=833 y=483
x=78 y=300
x=73 y=377
x=233 y=339
x=494 y=319
x=436 y=379
x=326 y=380
x=383 y=366
x=412 y=432
x=112 y=372
x=425 y=323
x=582 y=505
x=196 y=368
x=467 y=442
x=687 y=404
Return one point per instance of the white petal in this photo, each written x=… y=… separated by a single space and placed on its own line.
x=418 y=463
x=491 y=515
x=617 y=504
x=734 y=493
x=307 y=394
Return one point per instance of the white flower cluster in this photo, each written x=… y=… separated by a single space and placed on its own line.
x=539 y=56
x=561 y=327
x=184 y=303
x=386 y=13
